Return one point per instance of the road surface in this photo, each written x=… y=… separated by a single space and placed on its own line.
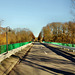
x=42 y=60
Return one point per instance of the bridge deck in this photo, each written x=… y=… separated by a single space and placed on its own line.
x=42 y=60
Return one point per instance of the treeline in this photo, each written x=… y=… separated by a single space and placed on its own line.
x=16 y=35
x=58 y=32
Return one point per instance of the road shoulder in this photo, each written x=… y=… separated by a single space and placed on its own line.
x=7 y=65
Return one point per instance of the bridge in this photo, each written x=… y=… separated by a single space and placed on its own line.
x=37 y=37
x=40 y=59
x=21 y=53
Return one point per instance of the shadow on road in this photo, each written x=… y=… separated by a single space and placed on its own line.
x=33 y=59
x=59 y=52
x=45 y=68
x=48 y=59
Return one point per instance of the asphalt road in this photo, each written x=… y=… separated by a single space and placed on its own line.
x=42 y=60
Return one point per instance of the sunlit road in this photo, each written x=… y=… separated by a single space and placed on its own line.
x=44 y=61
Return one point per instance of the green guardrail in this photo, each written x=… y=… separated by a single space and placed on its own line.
x=63 y=44
x=11 y=46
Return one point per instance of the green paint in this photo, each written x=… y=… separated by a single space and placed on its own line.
x=12 y=46
x=63 y=44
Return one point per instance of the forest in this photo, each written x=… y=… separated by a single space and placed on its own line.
x=17 y=35
x=58 y=32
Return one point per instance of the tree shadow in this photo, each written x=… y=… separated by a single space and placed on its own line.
x=45 y=68
x=32 y=57
x=61 y=53
x=48 y=59
x=30 y=62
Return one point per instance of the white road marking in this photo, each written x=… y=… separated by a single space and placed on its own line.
x=45 y=52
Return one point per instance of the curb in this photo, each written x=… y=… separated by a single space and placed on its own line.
x=12 y=61
x=7 y=55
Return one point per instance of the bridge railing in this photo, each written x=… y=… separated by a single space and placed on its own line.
x=62 y=44
x=11 y=46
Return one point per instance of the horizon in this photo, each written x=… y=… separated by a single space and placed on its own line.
x=33 y=14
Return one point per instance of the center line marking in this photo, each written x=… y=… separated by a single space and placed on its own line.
x=45 y=52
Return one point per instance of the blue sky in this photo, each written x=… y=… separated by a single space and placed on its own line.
x=34 y=14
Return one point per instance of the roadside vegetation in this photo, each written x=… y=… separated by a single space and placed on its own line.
x=17 y=35
x=58 y=32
